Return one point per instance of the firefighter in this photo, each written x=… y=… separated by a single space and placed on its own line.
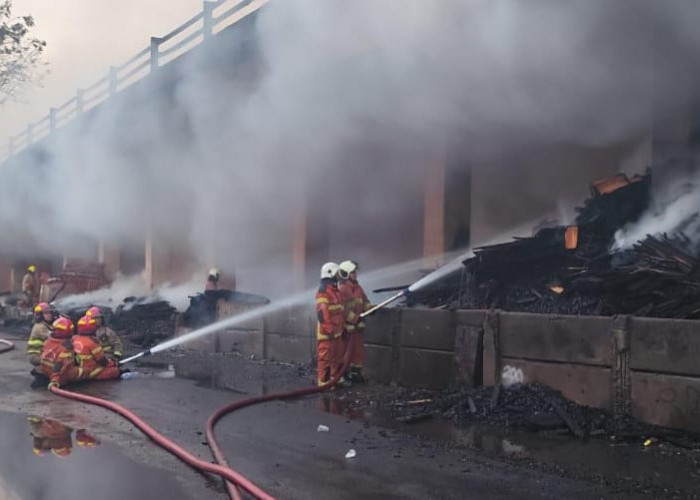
x=109 y=340
x=30 y=285
x=331 y=325
x=50 y=435
x=213 y=278
x=43 y=318
x=356 y=302
x=92 y=362
x=58 y=361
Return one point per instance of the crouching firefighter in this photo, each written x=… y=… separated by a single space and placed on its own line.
x=356 y=302
x=92 y=362
x=109 y=341
x=57 y=357
x=331 y=325
x=41 y=329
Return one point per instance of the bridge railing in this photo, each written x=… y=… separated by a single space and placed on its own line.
x=215 y=16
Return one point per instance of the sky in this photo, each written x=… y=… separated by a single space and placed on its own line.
x=85 y=37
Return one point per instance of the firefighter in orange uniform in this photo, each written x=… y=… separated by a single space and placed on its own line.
x=57 y=357
x=356 y=302
x=109 y=341
x=92 y=362
x=331 y=325
x=51 y=435
x=43 y=318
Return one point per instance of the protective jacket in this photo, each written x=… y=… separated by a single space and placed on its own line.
x=29 y=284
x=330 y=311
x=40 y=332
x=356 y=302
x=58 y=361
x=110 y=342
x=92 y=362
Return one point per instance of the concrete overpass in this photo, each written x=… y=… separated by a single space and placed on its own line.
x=455 y=200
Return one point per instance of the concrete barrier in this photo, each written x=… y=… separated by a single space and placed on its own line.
x=640 y=366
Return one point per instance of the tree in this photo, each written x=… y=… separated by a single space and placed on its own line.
x=20 y=52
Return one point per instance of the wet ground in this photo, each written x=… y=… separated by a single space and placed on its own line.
x=278 y=446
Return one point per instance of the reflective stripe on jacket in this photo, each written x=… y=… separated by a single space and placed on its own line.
x=330 y=311
x=40 y=332
x=109 y=341
x=356 y=302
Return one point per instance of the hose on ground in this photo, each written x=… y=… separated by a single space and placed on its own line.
x=6 y=345
x=226 y=472
x=243 y=403
x=234 y=480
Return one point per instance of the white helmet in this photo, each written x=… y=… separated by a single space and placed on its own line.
x=214 y=273
x=346 y=268
x=329 y=270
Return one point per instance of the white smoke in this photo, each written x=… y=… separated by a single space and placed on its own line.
x=676 y=210
x=110 y=296
x=338 y=107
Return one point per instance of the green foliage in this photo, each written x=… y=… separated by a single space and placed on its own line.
x=20 y=52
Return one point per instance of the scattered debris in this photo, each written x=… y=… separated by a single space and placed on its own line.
x=351 y=454
x=322 y=428
x=415 y=417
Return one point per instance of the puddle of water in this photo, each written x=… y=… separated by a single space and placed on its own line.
x=599 y=456
x=43 y=458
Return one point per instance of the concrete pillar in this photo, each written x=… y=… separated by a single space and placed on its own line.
x=299 y=249
x=457 y=204
x=434 y=209
x=110 y=257
x=164 y=264
x=6 y=274
x=156 y=262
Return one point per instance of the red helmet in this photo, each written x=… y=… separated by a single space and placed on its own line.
x=87 y=325
x=42 y=307
x=94 y=312
x=63 y=327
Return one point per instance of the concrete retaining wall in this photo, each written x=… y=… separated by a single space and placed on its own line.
x=642 y=366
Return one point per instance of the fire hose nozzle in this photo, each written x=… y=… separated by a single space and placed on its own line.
x=135 y=357
x=384 y=304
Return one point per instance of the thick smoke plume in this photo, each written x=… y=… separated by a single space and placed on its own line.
x=217 y=154
x=676 y=209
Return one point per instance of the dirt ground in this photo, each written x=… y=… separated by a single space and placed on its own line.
x=278 y=446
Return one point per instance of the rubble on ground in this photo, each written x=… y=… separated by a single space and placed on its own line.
x=574 y=270
x=532 y=407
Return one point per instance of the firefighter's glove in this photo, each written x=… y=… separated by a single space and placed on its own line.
x=54 y=384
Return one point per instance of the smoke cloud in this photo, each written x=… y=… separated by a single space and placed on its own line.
x=677 y=209
x=339 y=106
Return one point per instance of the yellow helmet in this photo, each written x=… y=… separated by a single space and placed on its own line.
x=31 y=268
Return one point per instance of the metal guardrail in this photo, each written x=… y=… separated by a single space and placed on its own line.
x=216 y=15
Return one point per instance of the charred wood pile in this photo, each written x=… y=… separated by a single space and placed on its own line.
x=575 y=270
x=144 y=321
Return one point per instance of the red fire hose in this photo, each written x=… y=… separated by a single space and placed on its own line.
x=234 y=480
x=243 y=403
x=184 y=455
